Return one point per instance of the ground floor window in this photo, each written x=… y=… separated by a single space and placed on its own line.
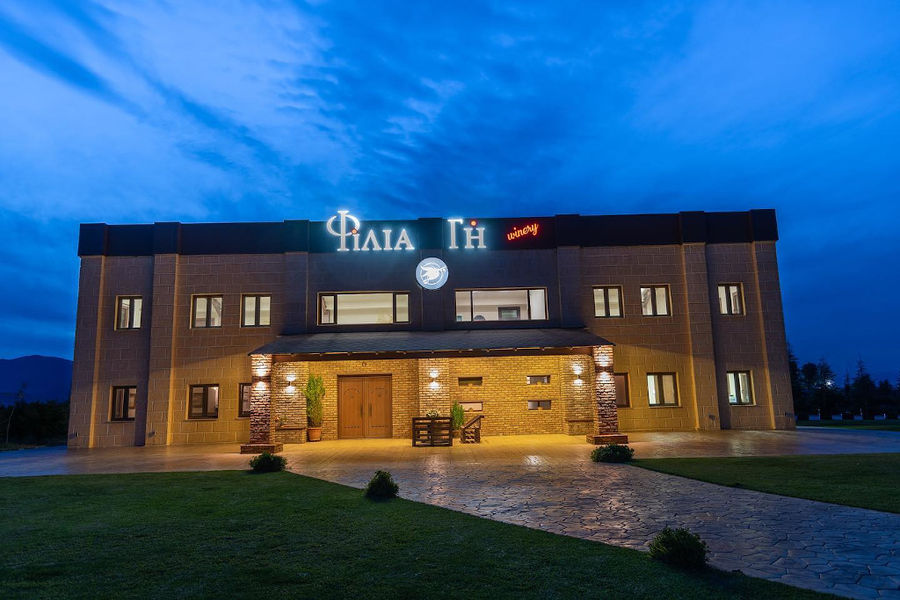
x=501 y=305
x=123 y=403
x=537 y=379
x=538 y=405
x=469 y=381
x=244 y=400
x=363 y=308
x=472 y=406
x=204 y=403
x=739 y=388
x=621 y=381
x=661 y=389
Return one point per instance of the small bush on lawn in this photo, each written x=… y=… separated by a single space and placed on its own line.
x=382 y=487
x=267 y=463
x=613 y=453
x=679 y=547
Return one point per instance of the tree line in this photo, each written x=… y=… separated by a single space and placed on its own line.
x=32 y=422
x=818 y=390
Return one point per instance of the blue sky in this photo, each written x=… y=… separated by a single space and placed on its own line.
x=138 y=112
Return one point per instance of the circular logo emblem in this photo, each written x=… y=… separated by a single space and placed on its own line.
x=432 y=273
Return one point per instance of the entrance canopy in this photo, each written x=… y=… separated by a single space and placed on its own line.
x=432 y=341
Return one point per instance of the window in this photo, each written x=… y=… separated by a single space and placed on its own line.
x=207 y=311
x=739 y=389
x=257 y=311
x=621 y=381
x=359 y=308
x=469 y=381
x=472 y=406
x=501 y=305
x=123 y=399
x=731 y=299
x=537 y=379
x=655 y=301
x=661 y=389
x=204 y=402
x=244 y=400
x=538 y=405
x=607 y=302
x=128 y=312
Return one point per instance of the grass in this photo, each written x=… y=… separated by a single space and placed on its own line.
x=862 y=480
x=870 y=424
x=236 y=535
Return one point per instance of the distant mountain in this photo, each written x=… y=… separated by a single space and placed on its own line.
x=45 y=378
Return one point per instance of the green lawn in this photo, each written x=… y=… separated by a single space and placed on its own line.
x=888 y=425
x=236 y=535
x=864 y=480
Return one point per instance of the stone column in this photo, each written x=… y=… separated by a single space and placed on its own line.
x=606 y=420
x=261 y=425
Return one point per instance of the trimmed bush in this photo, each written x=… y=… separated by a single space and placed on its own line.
x=382 y=487
x=613 y=453
x=680 y=548
x=267 y=463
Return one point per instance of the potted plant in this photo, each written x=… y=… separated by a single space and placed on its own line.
x=457 y=416
x=314 y=392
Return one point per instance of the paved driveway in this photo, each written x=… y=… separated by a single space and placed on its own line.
x=547 y=482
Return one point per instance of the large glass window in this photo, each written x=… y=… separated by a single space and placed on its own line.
x=123 y=403
x=661 y=389
x=207 y=311
x=360 y=308
x=128 y=312
x=204 y=401
x=739 y=388
x=607 y=302
x=501 y=305
x=655 y=301
x=257 y=311
x=731 y=299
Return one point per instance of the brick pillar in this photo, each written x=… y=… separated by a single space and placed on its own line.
x=262 y=427
x=606 y=420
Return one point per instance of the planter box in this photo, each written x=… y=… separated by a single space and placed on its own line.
x=290 y=434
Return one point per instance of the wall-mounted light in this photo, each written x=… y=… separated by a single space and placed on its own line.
x=290 y=378
x=434 y=385
x=433 y=374
x=577 y=369
x=290 y=389
x=578 y=381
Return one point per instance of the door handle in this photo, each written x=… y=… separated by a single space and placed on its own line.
x=370 y=410
x=360 y=411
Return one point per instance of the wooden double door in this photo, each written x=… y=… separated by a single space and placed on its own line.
x=364 y=406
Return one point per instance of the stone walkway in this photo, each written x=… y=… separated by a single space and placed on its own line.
x=548 y=482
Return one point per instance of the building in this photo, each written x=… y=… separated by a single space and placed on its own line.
x=584 y=325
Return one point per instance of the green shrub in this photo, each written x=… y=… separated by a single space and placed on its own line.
x=267 y=463
x=613 y=453
x=679 y=547
x=382 y=487
x=457 y=415
x=314 y=392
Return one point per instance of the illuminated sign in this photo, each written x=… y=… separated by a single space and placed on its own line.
x=370 y=240
x=432 y=273
x=474 y=235
x=519 y=232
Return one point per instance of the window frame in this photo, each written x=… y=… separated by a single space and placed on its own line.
x=112 y=403
x=527 y=291
x=241 y=413
x=334 y=297
x=659 y=383
x=470 y=381
x=206 y=415
x=256 y=311
x=729 y=308
x=653 y=303
x=605 y=289
x=528 y=379
x=208 y=298
x=627 y=390
x=539 y=404
x=738 y=388
x=131 y=326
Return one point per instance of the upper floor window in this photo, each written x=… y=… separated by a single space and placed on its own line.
x=607 y=302
x=123 y=403
x=739 y=388
x=731 y=299
x=257 y=311
x=655 y=301
x=501 y=305
x=204 y=401
x=244 y=400
x=661 y=389
x=207 y=311
x=363 y=308
x=128 y=312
